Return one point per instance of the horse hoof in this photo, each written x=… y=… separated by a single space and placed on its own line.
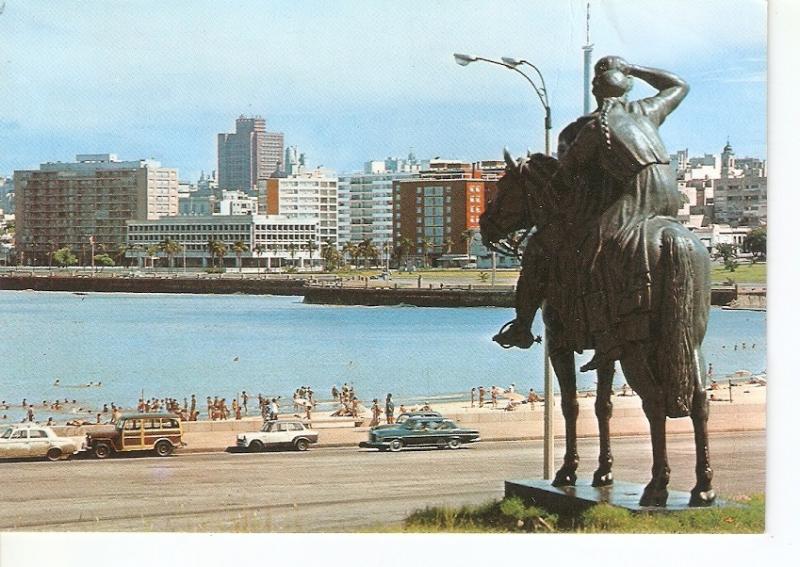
x=565 y=478
x=602 y=479
x=701 y=498
x=654 y=497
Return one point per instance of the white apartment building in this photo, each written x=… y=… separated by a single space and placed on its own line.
x=237 y=203
x=285 y=241
x=304 y=195
x=366 y=200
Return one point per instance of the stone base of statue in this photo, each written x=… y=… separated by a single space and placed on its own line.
x=573 y=500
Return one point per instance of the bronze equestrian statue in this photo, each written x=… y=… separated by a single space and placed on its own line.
x=612 y=269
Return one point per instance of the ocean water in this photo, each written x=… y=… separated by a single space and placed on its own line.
x=218 y=345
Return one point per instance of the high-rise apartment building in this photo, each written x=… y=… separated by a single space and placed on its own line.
x=434 y=210
x=304 y=195
x=67 y=204
x=248 y=154
x=366 y=205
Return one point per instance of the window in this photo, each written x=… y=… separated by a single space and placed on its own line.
x=131 y=424
x=152 y=424
x=20 y=434
x=38 y=434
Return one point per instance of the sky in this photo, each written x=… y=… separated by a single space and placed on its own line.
x=351 y=81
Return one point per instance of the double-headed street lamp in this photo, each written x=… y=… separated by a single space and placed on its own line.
x=541 y=93
x=514 y=64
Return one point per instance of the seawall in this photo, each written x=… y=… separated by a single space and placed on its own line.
x=316 y=293
x=522 y=424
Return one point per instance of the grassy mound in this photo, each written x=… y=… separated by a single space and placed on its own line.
x=511 y=515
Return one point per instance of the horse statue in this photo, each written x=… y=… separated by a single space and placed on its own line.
x=666 y=370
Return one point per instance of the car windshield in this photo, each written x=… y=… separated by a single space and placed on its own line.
x=267 y=426
x=6 y=434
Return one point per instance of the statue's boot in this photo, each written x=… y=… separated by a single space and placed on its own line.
x=601 y=358
x=514 y=334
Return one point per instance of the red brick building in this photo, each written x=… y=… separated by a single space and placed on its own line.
x=433 y=211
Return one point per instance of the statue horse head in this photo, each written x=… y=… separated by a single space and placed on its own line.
x=522 y=202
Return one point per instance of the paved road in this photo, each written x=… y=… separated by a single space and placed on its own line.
x=332 y=489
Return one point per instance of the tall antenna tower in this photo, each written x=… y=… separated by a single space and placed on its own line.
x=587 y=68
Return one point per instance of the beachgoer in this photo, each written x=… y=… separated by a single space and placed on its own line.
x=30 y=413
x=50 y=421
x=273 y=409
x=481 y=395
x=532 y=398
x=245 y=397
x=389 y=409
x=472 y=398
x=376 y=413
x=494 y=396
x=334 y=393
x=402 y=409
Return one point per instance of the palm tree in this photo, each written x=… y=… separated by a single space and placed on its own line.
x=259 y=249
x=292 y=248
x=330 y=255
x=368 y=251
x=216 y=249
x=170 y=248
x=152 y=253
x=426 y=248
x=350 y=250
x=386 y=248
x=239 y=248
x=311 y=245
x=404 y=247
x=122 y=249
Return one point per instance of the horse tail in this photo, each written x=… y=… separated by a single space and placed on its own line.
x=676 y=354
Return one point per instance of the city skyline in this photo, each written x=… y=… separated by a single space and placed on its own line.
x=354 y=81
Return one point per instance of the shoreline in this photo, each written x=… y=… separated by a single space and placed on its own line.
x=449 y=404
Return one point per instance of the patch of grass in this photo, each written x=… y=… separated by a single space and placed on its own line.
x=511 y=515
x=745 y=273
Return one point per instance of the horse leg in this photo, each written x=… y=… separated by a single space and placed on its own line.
x=603 y=409
x=702 y=493
x=637 y=371
x=564 y=366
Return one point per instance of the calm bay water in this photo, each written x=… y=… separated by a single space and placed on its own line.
x=176 y=345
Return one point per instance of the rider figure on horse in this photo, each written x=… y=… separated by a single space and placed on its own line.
x=616 y=163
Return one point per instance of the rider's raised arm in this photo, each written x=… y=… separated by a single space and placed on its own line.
x=671 y=91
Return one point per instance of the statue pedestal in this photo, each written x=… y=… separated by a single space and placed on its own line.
x=571 y=500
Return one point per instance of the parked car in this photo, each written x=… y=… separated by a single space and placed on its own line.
x=35 y=441
x=283 y=434
x=420 y=432
x=430 y=415
x=158 y=432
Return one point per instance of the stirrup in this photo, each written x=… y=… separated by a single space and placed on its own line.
x=508 y=337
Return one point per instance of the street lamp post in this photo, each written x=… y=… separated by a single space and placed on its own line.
x=549 y=397
x=541 y=91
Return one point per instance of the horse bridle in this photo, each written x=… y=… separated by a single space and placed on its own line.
x=510 y=246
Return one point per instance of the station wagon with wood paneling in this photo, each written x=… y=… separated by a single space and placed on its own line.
x=158 y=432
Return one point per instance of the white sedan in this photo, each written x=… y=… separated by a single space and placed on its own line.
x=279 y=434
x=33 y=441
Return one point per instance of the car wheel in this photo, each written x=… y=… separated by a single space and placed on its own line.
x=396 y=445
x=102 y=450
x=163 y=448
x=301 y=444
x=256 y=446
x=54 y=454
x=454 y=443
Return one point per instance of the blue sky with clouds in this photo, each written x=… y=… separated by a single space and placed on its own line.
x=348 y=81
